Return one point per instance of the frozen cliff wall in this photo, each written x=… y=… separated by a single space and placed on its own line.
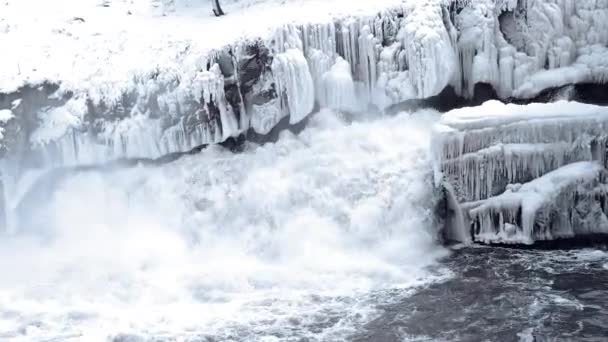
x=149 y=85
x=525 y=173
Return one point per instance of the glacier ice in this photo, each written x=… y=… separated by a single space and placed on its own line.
x=557 y=151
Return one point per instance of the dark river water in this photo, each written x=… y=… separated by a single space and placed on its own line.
x=501 y=294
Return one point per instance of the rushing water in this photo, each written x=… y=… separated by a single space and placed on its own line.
x=298 y=239
x=499 y=294
x=325 y=236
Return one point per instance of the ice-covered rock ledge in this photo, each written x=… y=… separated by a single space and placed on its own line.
x=519 y=174
x=99 y=83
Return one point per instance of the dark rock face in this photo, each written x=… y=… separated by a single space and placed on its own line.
x=591 y=93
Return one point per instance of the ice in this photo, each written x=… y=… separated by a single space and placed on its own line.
x=564 y=203
x=292 y=76
x=484 y=153
x=66 y=138
x=338 y=88
x=265 y=117
x=57 y=122
x=150 y=84
x=429 y=53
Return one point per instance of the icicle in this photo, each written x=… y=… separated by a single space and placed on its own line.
x=368 y=58
x=292 y=76
x=338 y=88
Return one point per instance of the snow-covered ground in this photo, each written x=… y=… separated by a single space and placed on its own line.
x=103 y=44
x=84 y=44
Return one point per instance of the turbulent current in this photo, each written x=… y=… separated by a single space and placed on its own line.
x=297 y=239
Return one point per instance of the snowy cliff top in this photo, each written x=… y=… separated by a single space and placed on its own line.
x=89 y=43
x=493 y=113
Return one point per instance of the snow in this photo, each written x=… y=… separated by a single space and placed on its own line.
x=166 y=76
x=495 y=113
x=43 y=41
x=70 y=41
x=6 y=115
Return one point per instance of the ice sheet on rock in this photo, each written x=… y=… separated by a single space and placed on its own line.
x=192 y=114
x=563 y=203
x=480 y=150
x=487 y=172
x=591 y=66
x=409 y=49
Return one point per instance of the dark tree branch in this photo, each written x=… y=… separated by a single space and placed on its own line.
x=217 y=9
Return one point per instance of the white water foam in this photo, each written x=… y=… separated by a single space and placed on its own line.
x=281 y=241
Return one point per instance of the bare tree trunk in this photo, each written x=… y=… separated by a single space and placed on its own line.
x=217 y=9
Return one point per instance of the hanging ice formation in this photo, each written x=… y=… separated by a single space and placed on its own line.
x=526 y=173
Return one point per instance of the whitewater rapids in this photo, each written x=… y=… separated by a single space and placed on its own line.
x=297 y=239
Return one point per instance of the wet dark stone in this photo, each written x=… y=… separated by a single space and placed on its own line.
x=224 y=60
x=17 y=131
x=483 y=92
x=592 y=93
x=251 y=67
x=233 y=96
x=274 y=134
